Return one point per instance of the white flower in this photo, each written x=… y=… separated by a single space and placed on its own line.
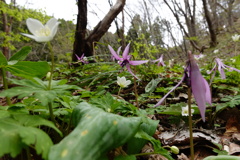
x=215 y=51
x=170 y=62
x=185 y=111
x=85 y=58
x=235 y=37
x=233 y=60
x=199 y=56
x=42 y=33
x=122 y=82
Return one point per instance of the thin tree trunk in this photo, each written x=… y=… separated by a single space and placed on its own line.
x=212 y=32
x=80 y=33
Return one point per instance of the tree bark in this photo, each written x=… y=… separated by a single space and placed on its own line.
x=230 y=15
x=213 y=35
x=80 y=33
x=99 y=30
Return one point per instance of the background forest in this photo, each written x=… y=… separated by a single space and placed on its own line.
x=190 y=25
x=71 y=97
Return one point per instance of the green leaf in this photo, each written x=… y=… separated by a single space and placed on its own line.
x=28 y=69
x=135 y=145
x=152 y=85
x=14 y=137
x=34 y=121
x=22 y=54
x=96 y=133
x=156 y=144
x=37 y=88
x=106 y=102
x=3 y=60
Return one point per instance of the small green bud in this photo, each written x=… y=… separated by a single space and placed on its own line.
x=174 y=149
x=48 y=75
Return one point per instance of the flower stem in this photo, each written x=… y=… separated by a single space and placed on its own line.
x=50 y=82
x=52 y=65
x=119 y=91
x=235 y=49
x=190 y=124
x=5 y=84
x=135 y=88
x=50 y=107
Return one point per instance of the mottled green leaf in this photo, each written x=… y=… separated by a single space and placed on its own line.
x=96 y=133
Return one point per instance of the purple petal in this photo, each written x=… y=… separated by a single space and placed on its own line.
x=78 y=57
x=126 y=51
x=134 y=63
x=208 y=92
x=220 y=68
x=214 y=68
x=115 y=55
x=82 y=56
x=160 y=61
x=162 y=99
x=235 y=69
x=118 y=51
x=130 y=71
x=198 y=86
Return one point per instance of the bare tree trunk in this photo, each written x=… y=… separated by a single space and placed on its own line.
x=99 y=30
x=230 y=16
x=80 y=33
x=215 y=19
x=213 y=35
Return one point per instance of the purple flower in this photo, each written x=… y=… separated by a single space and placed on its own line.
x=160 y=61
x=118 y=52
x=221 y=66
x=82 y=59
x=125 y=60
x=198 y=84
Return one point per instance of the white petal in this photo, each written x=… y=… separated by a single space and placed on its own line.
x=43 y=39
x=29 y=36
x=34 y=25
x=51 y=23
x=54 y=29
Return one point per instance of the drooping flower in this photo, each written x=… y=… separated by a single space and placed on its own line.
x=160 y=61
x=221 y=66
x=122 y=82
x=185 y=111
x=40 y=32
x=82 y=59
x=199 y=86
x=235 y=37
x=125 y=59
